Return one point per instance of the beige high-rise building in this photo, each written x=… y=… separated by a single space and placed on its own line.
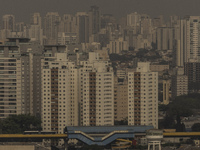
x=143 y=96
x=96 y=89
x=76 y=93
x=187 y=45
x=158 y=21
x=193 y=31
x=117 y=46
x=8 y=26
x=19 y=26
x=20 y=77
x=59 y=94
x=68 y=24
x=179 y=82
x=36 y=19
x=133 y=19
x=146 y=27
x=165 y=38
x=51 y=27
x=36 y=33
x=9 y=22
x=121 y=100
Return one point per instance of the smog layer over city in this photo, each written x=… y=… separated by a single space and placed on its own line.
x=99 y=74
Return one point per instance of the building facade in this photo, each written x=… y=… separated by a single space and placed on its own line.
x=179 y=82
x=143 y=96
x=20 y=77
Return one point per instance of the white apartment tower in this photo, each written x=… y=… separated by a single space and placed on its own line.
x=143 y=96
x=96 y=92
x=76 y=93
x=59 y=94
x=188 y=41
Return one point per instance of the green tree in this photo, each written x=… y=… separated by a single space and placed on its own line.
x=168 y=122
x=19 y=123
x=122 y=122
x=196 y=127
x=182 y=106
x=141 y=53
x=162 y=107
x=180 y=127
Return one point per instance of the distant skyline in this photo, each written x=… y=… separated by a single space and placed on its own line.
x=22 y=9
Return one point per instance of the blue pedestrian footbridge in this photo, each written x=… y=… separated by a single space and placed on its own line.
x=103 y=135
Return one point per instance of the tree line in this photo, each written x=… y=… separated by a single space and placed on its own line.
x=17 y=124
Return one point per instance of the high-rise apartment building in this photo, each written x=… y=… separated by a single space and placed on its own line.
x=94 y=20
x=75 y=93
x=68 y=24
x=10 y=81
x=174 y=20
x=165 y=38
x=98 y=99
x=133 y=19
x=121 y=100
x=193 y=42
x=20 y=77
x=107 y=19
x=143 y=96
x=96 y=92
x=82 y=27
x=188 y=43
x=9 y=22
x=35 y=33
x=117 y=46
x=192 y=70
x=36 y=19
x=179 y=82
x=19 y=26
x=8 y=26
x=59 y=94
x=51 y=27
x=158 y=21
x=146 y=26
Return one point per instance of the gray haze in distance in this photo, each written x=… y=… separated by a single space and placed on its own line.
x=119 y=8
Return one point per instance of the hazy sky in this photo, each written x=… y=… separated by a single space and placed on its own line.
x=119 y=8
